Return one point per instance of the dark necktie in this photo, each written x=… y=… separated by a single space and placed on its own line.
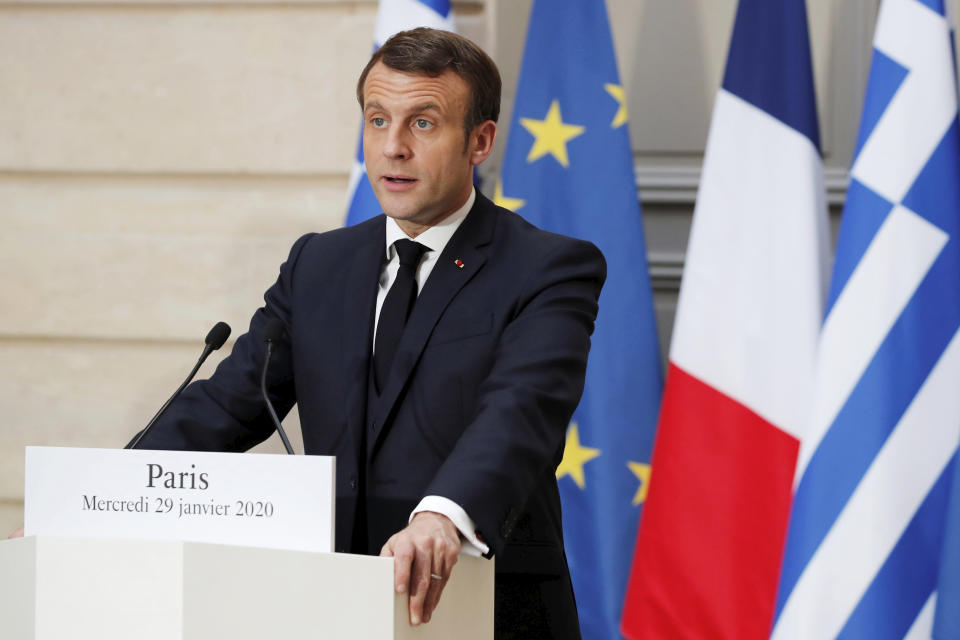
x=396 y=309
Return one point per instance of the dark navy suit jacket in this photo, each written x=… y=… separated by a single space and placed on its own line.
x=484 y=382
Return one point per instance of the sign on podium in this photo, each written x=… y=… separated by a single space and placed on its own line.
x=256 y=500
x=161 y=545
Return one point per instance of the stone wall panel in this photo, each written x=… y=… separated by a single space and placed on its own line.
x=134 y=260
x=181 y=88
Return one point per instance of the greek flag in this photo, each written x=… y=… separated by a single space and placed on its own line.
x=393 y=16
x=867 y=554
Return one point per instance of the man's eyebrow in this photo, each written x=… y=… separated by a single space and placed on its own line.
x=427 y=106
x=419 y=108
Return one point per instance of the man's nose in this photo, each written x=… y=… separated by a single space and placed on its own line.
x=397 y=146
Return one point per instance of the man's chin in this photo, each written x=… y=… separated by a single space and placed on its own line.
x=397 y=206
x=398 y=214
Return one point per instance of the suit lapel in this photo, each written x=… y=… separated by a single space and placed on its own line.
x=445 y=281
x=359 y=302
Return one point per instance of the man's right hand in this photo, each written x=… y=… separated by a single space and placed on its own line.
x=424 y=554
x=16 y=534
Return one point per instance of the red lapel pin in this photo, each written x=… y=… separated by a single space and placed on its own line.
x=458 y=262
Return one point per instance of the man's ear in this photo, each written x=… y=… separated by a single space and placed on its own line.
x=481 y=141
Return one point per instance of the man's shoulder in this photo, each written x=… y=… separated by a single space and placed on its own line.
x=514 y=230
x=342 y=238
x=333 y=250
x=360 y=232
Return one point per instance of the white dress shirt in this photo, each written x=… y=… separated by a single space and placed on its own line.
x=435 y=239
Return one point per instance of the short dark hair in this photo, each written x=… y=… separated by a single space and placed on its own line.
x=431 y=52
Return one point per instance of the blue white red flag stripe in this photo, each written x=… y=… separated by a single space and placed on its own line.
x=742 y=361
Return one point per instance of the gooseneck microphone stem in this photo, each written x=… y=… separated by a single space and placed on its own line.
x=214 y=340
x=266 y=399
x=203 y=356
x=272 y=334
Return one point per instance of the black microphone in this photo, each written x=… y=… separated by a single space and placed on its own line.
x=214 y=340
x=217 y=336
x=271 y=335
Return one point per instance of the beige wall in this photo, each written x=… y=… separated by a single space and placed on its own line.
x=158 y=158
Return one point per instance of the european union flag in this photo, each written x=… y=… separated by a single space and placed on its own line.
x=568 y=168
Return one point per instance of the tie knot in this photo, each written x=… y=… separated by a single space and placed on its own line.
x=409 y=252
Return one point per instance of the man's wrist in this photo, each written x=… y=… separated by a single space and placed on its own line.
x=473 y=545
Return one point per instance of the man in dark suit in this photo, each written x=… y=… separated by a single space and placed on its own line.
x=437 y=351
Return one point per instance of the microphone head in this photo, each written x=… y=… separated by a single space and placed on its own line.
x=273 y=331
x=218 y=335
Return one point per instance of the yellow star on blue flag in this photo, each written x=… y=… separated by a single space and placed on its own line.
x=575 y=455
x=618 y=94
x=551 y=135
x=642 y=472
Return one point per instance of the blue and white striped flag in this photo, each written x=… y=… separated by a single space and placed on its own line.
x=947 y=622
x=874 y=475
x=393 y=16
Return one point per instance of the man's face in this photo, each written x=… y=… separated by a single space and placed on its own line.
x=413 y=145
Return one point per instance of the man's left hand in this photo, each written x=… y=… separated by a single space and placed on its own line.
x=424 y=554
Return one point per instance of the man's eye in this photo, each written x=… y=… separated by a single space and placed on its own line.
x=423 y=124
x=378 y=122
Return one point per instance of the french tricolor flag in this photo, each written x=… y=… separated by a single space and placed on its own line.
x=742 y=361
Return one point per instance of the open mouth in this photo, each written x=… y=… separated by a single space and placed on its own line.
x=398 y=180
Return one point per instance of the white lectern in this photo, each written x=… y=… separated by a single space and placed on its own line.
x=56 y=588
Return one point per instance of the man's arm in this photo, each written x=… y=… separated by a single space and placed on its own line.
x=226 y=412
x=518 y=431
x=515 y=437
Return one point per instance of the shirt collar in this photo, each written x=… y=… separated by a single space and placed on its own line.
x=436 y=237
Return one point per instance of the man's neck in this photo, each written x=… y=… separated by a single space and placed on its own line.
x=414 y=229
x=434 y=236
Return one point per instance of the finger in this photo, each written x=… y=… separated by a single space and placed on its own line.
x=438 y=578
x=437 y=583
x=403 y=555
x=444 y=557
x=419 y=584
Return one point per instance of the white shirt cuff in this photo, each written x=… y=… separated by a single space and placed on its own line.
x=463 y=522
